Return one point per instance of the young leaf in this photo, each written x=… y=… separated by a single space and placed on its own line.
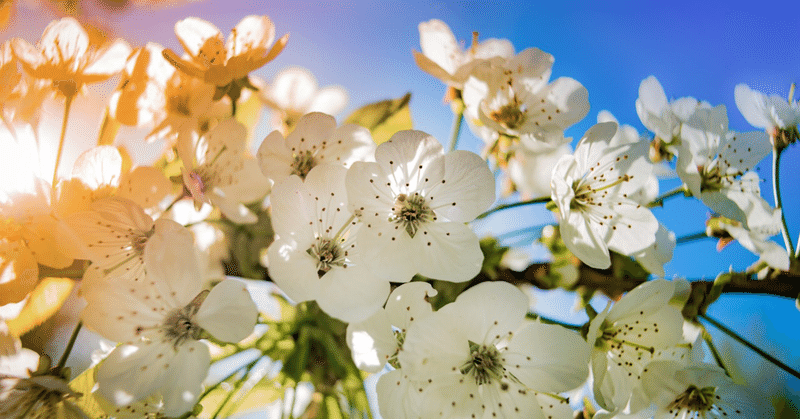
x=384 y=118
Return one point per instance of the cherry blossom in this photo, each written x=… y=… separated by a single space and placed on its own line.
x=413 y=202
x=476 y=358
x=221 y=63
x=700 y=391
x=591 y=188
x=314 y=140
x=715 y=164
x=443 y=57
x=294 y=93
x=315 y=256
x=63 y=55
x=774 y=114
x=159 y=323
x=661 y=116
x=641 y=327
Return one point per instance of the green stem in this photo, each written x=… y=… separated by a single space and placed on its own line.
x=547 y=320
x=233 y=391
x=692 y=237
x=68 y=349
x=227 y=377
x=714 y=352
x=776 y=191
x=753 y=347
x=458 y=117
x=659 y=202
x=541 y=200
x=67 y=106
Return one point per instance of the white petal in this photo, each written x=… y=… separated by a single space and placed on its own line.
x=371 y=341
x=274 y=157
x=330 y=100
x=439 y=45
x=182 y=384
x=352 y=294
x=292 y=269
x=349 y=143
x=407 y=156
x=228 y=312
x=193 y=33
x=584 y=242
x=752 y=105
x=547 y=358
x=409 y=302
x=99 y=166
x=447 y=251
x=390 y=253
x=133 y=372
x=170 y=259
x=312 y=132
x=467 y=188
x=293 y=89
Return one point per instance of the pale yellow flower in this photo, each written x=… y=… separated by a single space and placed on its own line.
x=63 y=55
x=226 y=64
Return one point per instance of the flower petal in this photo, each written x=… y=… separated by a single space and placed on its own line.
x=228 y=312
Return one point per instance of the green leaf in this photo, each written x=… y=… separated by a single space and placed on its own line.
x=84 y=383
x=383 y=119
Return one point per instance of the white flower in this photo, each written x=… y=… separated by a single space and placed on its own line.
x=700 y=391
x=662 y=117
x=315 y=140
x=374 y=342
x=756 y=239
x=660 y=252
x=413 y=203
x=770 y=113
x=159 y=323
x=512 y=97
x=641 y=327
x=294 y=93
x=591 y=188
x=221 y=175
x=715 y=164
x=315 y=256
x=443 y=57
x=29 y=390
x=476 y=358
x=528 y=170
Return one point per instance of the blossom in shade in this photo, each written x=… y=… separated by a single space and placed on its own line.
x=641 y=327
x=700 y=391
x=591 y=189
x=314 y=140
x=63 y=56
x=444 y=58
x=413 y=202
x=160 y=322
x=225 y=63
x=476 y=357
x=316 y=256
x=294 y=93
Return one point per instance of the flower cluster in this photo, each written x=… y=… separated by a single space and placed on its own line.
x=372 y=233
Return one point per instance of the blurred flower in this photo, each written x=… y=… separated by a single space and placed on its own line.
x=294 y=93
x=314 y=140
x=217 y=175
x=413 y=203
x=226 y=64
x=700 y=390
x=64 y=57
x=315 y=256
x=591 y=189
x=477 y=357
x=443 y=57
x=29 y=390
x=140 y=99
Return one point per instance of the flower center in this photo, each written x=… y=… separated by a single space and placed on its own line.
x=303 y=163
x=483 y=364
x=179 y=325
x=510 y=116
x=327 y=254
x=695 y=399
x=411 y=212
